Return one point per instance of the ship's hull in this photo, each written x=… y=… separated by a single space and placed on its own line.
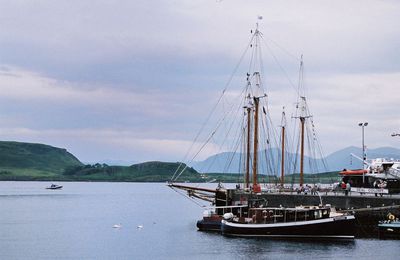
x=213 y=225
x=389 y=230
x=329 y=228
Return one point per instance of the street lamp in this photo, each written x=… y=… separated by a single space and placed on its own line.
x=364 y=156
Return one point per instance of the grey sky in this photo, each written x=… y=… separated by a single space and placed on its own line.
x=134 y=80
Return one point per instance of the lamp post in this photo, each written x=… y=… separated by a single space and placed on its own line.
x=364 y=156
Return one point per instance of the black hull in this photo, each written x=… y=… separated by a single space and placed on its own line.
x=209 y=225
x=389 y=232
x=339 y=228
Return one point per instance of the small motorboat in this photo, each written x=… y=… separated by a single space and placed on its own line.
x=54 y=187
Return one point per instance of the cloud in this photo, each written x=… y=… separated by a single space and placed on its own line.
x=31 y=89
x=97 y=121
x=122 y=41
x=155 y=68
x=341 y=101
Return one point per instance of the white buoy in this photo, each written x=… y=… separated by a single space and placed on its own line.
x=117 y=226
x=140 y=226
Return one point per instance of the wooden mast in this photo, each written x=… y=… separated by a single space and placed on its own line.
x=283 y=156
x=247 y=177
x=256 y=187
x=255 y=145
x=283 y=121
x=302 y=119
x=303 y=115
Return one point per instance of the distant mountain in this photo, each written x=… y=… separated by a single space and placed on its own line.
x=342 y=159
x=231 y=162
x=40 y=157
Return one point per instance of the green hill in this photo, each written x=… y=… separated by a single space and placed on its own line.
x=142 y=172
x=33 y=161
x=29 y=161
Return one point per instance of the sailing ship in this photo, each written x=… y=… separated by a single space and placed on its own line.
x=241 y=203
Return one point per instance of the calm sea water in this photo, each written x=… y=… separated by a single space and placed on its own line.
x=76 y=223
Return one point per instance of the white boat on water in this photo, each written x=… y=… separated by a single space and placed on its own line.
x=54 y=187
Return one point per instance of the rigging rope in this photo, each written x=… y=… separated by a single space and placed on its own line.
x=188 y=197
x=281 y=67
x=256 y=56
x=213 y=109
x=207 y=141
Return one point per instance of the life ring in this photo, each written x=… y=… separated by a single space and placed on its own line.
x=391 y=216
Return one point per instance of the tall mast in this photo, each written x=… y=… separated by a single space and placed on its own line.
x=302 y=119
x=257 y=77
x=283 y=157
x=255 y=145
x=302 y=116
x=247 y=177
x=283 y=150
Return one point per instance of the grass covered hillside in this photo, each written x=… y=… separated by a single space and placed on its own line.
x=142 y=172
x=31 y=160
x=36 y=156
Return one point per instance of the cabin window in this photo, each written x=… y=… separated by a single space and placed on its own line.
x=301 y=216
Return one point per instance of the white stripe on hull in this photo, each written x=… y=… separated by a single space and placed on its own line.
x=292 y=236
x=328 y=228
